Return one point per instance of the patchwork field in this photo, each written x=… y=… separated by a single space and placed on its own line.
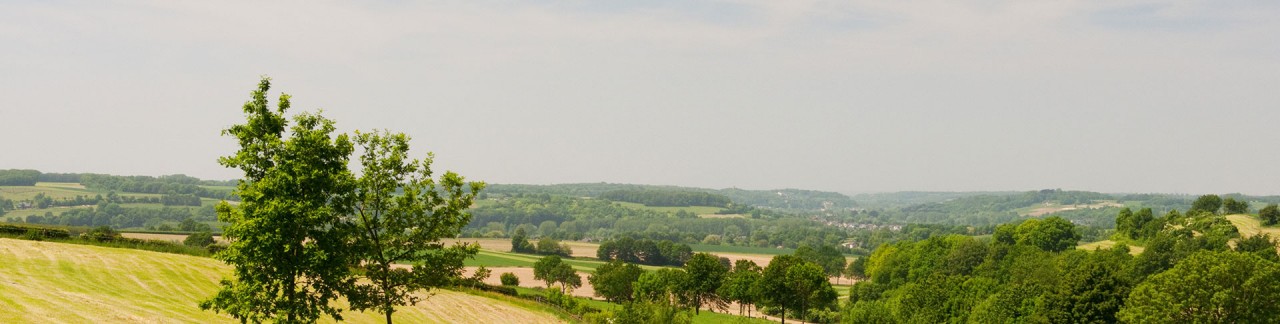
x=1249 y=225
x=43 y=282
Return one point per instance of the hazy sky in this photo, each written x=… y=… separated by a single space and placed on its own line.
x=850 y=96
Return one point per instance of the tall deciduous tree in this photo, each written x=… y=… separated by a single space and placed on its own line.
x=404 y=228
x=1270 y=214
x=1209 y=287
x=289 y=247
x=740 y=284
x=613 y=280
x=1207 y=203
x=706 y=273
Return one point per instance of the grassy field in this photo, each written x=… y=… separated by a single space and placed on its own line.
x=1107 y=244
x=54 y=282
x=1249 y=225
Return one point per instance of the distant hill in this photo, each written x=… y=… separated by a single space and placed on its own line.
x=794 y=199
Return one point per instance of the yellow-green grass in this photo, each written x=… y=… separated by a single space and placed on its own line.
x=1107 y=244
x=1250 y=225
x=696 y=210
x=44 y=282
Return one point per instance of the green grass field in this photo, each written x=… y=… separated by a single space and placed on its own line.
x=44 y=282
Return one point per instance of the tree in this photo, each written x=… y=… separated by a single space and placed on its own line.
x=1233 y=206
x=613 y=280
x=404 y=228
x=199 y=239
x=1052 y=234
x=509 y=279
x=1270 y=215
x=520 y=242
x=289 y=246
x=706 y=273
x=826 y=256
x=1208 y=287
x=776 y=287
x=552 y=270
x=665 y=286
x=809 y=287
x=739 y=285
x=1207 y=203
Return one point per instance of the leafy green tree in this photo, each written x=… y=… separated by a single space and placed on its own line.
x=1207 y=203
x=613 y=280
x=740 y=284
x=1124 y=223
x=1091 y=290
x=199 y=239
x=1232 y=206
x=706 y=273
x=1209 y=287
x=826 y=256
x=1052 y=234
x=665 y=286
x=1261 y=245
x=509 y=279
x=289 y=246
x=404 y=228
x=520 y=242
x=809 y=286
x=1270 y=214
x=551 y=269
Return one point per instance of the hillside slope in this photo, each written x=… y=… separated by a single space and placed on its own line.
x=55 y=282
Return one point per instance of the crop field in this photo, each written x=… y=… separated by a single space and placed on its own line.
x=1249 y=225
x=56 y=282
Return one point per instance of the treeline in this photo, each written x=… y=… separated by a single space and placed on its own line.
x=645 y=251
x=788 y=199
x=568 y=218
x=115 y=216
x=667 y=198
x=19 y=177
x=171 y=184
x=1031 y=272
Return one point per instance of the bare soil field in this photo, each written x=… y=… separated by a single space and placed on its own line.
x=580 y=249
x=1053 y=208
x=527 y=280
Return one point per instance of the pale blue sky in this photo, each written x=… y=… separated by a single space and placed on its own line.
x=851 y=96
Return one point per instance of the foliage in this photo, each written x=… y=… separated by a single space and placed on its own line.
x=1050 y=234
x=706 y=274
x=790 y=282
x=1232 y=206
x=1209 y=287
x=404 y=228
x=509 y=279
x=552 y=270
x=14 y=177
x=289 y=246
x=520 y=242
x=199 y=239
x=740 y=284
x=826 y=256
x=666 y=286
x=1207 y=203
x=1270 y=214
x=613 y=280
x=176 y=185
x=550 y=246
x=677 y=198
x=644 y=251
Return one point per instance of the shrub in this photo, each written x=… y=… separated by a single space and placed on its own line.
x=509 y=279
x=199 y=239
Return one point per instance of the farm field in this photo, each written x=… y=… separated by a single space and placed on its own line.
x=1249 y=225
x=56 y=282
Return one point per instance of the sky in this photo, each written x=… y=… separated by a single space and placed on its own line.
x=847 y=96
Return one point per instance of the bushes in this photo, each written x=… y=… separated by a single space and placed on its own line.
x=35 y=231
x=509 y=279
x=199 y=239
